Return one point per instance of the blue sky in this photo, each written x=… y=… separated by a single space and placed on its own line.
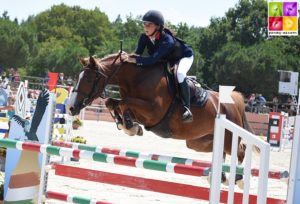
x=193 y=12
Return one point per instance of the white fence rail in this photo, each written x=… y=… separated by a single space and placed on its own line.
x=98 y=110
x=221 y=123
x=294 y=181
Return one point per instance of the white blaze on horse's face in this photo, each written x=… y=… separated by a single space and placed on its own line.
x=73 y=96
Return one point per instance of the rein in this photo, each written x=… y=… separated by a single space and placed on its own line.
x=108 y=79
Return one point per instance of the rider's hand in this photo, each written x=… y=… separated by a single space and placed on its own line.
x=133 y=55
x=130 y=60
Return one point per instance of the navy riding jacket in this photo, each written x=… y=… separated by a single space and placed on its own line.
x=163 y=48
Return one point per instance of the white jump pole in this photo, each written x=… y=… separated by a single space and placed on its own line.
x=294 y=180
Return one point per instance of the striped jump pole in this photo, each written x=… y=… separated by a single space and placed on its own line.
x=72 y=199
x=158 y=186
x=135 y=154
x=60 y=126
x=165 y=158
x=59 y=135
x=60 y=115
x=106 y=158
x=3 y=130
x=56 y=115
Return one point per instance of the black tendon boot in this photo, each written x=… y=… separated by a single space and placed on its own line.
x=187 y=115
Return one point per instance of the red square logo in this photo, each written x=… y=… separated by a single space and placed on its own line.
x=275 y=23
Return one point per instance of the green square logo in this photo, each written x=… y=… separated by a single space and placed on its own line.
x=275 y=9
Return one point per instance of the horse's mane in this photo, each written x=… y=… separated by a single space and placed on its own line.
x=107 y=57
x=107 y=60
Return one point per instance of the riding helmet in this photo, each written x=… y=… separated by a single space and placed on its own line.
x=154 y=16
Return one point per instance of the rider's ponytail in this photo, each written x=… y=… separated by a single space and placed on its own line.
x=173 y=34
x=169 y=31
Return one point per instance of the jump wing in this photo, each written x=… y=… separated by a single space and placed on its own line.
x=41 y=106
x=19 y=120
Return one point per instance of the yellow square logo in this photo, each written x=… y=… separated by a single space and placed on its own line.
x=290 y=23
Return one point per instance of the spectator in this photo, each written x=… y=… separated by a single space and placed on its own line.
x=16 y=77
x=261 y=99
x=261 y=102
x=4 y=82
x=251 y=103
x=61 y=79
x=290 y=107
x=11 y=74
x=275 y=102
x=69 y=81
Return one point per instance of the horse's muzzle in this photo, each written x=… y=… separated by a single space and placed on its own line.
x=73 y=111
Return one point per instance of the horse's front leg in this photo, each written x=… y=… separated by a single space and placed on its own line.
x=113 y=107
x=123 y=118
x=130 y=107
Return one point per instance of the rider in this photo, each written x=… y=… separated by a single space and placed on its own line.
x=163 y=45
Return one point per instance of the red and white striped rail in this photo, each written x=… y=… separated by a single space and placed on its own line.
x=72 y=198
x=153 y=185
x=106 y=158
x=273 y=174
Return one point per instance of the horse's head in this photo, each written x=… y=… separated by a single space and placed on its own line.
x=90 y=85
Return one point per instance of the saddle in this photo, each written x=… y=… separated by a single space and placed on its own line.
x=198 y=98
x=198 y=95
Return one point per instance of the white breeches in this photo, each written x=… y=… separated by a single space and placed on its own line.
x=183 y=67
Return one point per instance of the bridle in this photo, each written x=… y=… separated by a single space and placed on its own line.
x=88 y=98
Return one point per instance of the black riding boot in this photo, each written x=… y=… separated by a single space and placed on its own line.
x=187 y=115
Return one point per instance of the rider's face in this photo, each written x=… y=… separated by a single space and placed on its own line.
x=150 y=28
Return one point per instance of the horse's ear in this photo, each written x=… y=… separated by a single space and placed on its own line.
x=93 y=61
x=83 y=61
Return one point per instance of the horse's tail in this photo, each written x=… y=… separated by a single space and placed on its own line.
x=241 y=107
x=246 y=124
x=247 y=127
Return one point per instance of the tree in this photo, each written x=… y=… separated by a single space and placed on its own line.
x=58 y=56
x=14 y=50
x=91 y=28
x=251 y=72
x=248 y=21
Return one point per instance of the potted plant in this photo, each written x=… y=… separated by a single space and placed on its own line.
x=79 y=139
x=76 y=123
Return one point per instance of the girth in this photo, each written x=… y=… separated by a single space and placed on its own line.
x=162 y=128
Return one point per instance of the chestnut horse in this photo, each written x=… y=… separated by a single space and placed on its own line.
x=146 y=97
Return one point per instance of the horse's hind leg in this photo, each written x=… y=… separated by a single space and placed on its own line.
x=240 y=155
x=205 y=144
x=201 y=144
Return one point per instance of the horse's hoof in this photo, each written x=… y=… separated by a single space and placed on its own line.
x=285 y=180
x=208 y=178
x=140 y=131
x=224 y=179
x=120 y=126
x=240 y=184
x=226 y=182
